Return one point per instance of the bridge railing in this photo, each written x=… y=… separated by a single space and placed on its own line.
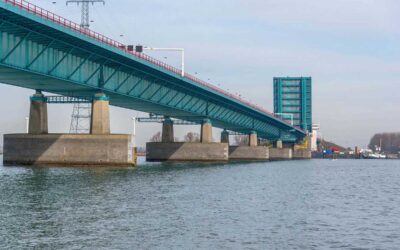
x=32 y=8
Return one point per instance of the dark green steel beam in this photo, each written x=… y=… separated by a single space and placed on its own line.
x=155 y=92
x=60 y=61
x=23 y=39
x=135 y=85
x=79 y=66
x=96 y=71
x=40 y=54
x=163 y=96
x=177 y=93
x=112 y=75
x=123 y=82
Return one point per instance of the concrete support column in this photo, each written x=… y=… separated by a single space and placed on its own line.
x=206 y=131
x=279 y=144
x=225 y=136
x=100 y=122
x=253 y=141
x=167 y=130
x=38 y=123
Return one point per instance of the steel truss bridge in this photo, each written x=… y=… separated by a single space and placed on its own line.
x=43 y=51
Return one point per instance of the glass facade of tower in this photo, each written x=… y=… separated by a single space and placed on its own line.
x=292 y=100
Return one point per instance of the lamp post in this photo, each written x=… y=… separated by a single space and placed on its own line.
x=172 y=49
x=134 y=131
x=27 y=125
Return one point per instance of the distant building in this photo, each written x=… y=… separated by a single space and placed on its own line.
x=314 y=137
x=292 y=100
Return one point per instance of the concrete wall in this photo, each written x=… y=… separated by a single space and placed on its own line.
x=300 y=154
x=183 y=151
x=248 y=153
x=280 y=154
x=67 y=149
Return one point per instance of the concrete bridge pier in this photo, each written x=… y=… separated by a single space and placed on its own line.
x=225 y=137
x=250 y=152
x=253 y=141
x=38 y=123
x=279 y=144
x=167 y=134
x=205 y=150
x=206 y=131
x=100 y=120
x=38 y=147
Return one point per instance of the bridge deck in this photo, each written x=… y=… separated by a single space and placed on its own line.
x=41 y=50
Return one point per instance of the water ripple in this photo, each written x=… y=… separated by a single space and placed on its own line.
x=317 y=204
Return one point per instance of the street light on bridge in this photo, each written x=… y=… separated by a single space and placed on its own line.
x=181 y=50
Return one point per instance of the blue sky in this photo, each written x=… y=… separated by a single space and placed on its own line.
x=349 y=47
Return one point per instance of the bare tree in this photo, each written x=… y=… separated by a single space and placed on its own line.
x=156 y=137
x=192 y=137
x=386 y=142
x=241 y=140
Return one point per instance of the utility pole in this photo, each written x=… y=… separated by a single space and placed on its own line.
x=81 y=114
x=85 y=10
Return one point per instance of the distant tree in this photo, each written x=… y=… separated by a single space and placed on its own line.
x=192 y=137
x=156 y=137
x=386 y=142
x=241 y=140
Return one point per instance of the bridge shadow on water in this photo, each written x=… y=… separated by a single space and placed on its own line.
x=186 y=165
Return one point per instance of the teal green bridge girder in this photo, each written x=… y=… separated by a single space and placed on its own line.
x=43 y=53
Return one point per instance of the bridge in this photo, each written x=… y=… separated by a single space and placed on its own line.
x=43 y=51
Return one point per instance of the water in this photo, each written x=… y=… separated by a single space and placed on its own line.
x=318 y=204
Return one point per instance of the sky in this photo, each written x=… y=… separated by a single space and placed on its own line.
x=348 y=47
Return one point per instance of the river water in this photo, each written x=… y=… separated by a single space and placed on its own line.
x=317 y=204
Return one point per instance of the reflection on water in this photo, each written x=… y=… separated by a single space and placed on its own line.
x=319 y=204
